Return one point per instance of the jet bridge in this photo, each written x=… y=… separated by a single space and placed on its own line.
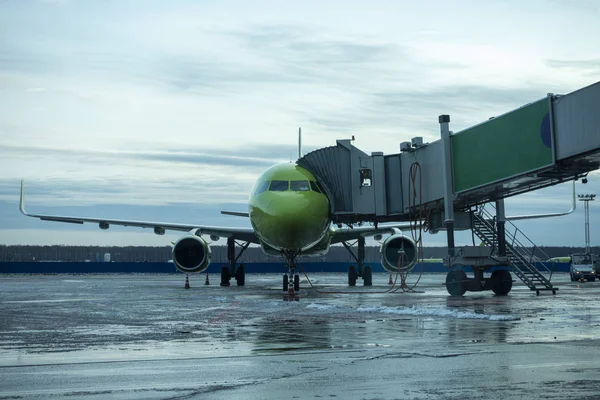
x=549 y=141
x=445 y=184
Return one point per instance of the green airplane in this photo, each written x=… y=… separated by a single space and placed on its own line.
x=289 y=212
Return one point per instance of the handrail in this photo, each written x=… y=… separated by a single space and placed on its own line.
x=518 y=254
x=535 y=216
x=520 y=248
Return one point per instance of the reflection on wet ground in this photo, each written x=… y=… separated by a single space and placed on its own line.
x=144 y=336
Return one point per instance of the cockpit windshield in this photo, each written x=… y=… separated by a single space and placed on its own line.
x=299 y=186
x=279 y=186
x=295 y=186
x=262 y=187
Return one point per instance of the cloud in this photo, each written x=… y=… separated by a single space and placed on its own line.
x=296 y=45
x=169 y=106
x=414 y=111
x=589 y=68
x=160 y=192
x=215 y=157
x=38 y=162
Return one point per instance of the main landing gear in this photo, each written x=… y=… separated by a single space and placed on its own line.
x=291 y=280
x=229 y=270
x=360 y=271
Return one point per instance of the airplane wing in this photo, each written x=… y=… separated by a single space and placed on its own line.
x=245 y=234
x=343 y=235
x=236 y=214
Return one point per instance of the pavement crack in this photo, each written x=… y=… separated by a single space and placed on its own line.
x=412 y=355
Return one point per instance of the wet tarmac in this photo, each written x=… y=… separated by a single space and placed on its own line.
x=145 y=337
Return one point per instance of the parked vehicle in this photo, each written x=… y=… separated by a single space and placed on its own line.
x=582 y=266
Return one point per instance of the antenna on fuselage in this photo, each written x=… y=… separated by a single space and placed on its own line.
x=299 y=142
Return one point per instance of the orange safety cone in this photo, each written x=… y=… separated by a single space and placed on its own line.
x=206 y=282
x=187 y=281
x=391 y=282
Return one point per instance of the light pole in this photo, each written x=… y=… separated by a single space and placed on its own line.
x=586 y=198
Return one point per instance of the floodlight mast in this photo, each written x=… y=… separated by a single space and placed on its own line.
x=586 y=198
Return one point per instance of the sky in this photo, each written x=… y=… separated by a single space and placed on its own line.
x=170 y=111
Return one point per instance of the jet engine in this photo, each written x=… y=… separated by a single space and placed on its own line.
x=398 y=253
x=191 y=254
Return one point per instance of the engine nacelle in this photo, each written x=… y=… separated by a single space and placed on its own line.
x=391 y=250
x=191 y=254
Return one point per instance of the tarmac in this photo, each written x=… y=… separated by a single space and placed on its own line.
x=146 y=337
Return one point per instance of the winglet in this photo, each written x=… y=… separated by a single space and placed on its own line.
x=22 y=202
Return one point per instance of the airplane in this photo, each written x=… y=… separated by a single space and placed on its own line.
x=290 y=216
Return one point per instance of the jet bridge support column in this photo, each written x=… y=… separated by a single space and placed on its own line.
x=500 y=224
x=361 y=255
x=444 y=121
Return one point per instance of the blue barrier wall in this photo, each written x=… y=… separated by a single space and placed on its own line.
x=169 y=268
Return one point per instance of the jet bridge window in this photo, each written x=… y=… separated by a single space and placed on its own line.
x=299 y=186
x=315 y=187
x=279 y=186
x=365 y=177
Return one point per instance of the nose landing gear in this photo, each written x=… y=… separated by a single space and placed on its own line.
x=291 y=277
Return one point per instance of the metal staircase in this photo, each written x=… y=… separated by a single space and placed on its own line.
x=522 y=257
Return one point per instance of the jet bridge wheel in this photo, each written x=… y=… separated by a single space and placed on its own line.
x=367 y=276
x=501 y=282
x=456 y=282
x=352 y=275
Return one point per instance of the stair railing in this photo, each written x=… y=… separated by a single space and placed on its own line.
x=521 y=248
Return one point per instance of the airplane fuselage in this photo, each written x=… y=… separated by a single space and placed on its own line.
x=289 y=210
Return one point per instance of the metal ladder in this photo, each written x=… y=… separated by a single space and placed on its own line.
x=522 y=259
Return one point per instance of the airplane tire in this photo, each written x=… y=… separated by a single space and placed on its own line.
x=455 y=283
x=296 y=283
x=225 y=276
x=285 y=282
x=352 y=275
x=240 y=275
x=501 y=282
x=368 y=276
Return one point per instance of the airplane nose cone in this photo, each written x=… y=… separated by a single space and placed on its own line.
x=294 y=223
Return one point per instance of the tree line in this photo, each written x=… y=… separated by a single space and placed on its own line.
x=218 y=253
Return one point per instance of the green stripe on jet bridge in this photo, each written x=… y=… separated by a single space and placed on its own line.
x=509 y=145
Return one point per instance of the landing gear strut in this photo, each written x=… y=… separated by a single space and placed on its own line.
x=292 y=277
x=229 y=270
x=361 y=270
